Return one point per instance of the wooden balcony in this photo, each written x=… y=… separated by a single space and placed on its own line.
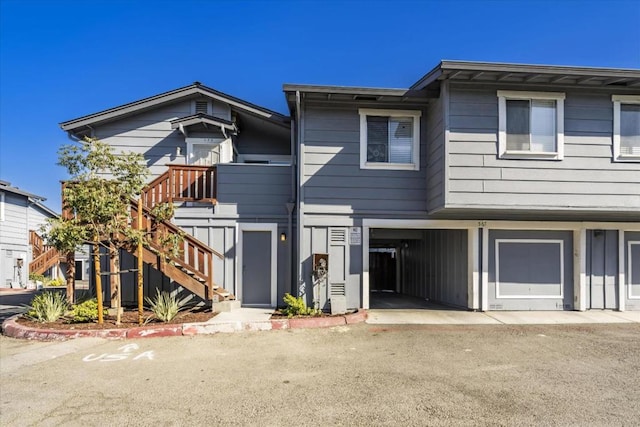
x=182 y=183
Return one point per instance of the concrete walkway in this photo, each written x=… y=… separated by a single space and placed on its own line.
x=461 y=317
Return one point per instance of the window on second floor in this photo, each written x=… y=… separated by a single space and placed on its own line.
x=389 y=139
x=531 y=125
x=626 y=127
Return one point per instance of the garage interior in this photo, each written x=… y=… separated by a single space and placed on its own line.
x=417 y=269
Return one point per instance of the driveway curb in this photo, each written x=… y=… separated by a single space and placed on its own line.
x=13 y=329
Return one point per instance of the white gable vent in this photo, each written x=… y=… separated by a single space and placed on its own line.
x=202 y=107
x=338 y=235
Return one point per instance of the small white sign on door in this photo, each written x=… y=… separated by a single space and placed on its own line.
x=355 y=236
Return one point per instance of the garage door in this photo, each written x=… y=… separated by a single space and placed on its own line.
x=530 y=270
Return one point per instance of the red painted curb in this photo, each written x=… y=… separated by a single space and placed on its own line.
x=357 y=317
x=154 y=331
x=13 y=329
x=316 y=322
x=279 y=324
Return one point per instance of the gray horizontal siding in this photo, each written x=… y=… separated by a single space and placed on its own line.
x=255 y=189
x=586 y=177
x=13 y=230
x=333 y=180
x=434 y=134
x=149 y=133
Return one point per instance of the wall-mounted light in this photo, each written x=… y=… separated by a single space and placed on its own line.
x=283 y=237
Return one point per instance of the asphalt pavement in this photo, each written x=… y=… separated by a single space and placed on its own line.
x=364 y=374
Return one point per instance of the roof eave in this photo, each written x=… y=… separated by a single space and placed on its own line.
x=167 y=97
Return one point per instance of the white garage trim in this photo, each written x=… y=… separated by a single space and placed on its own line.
x=529 y=241
x=621 y=275
x=630 y=269
x=421 y=224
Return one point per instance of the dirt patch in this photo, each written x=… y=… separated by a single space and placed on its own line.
x=129 y=320
x=279 y=315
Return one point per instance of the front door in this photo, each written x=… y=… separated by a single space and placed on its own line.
x=258 y=264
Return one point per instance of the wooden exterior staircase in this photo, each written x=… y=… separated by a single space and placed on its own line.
x=44 y=256
x=192 y=266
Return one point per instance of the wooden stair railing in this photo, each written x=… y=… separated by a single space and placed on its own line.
x=182 y=183
x=44 y=257
x=191 y=268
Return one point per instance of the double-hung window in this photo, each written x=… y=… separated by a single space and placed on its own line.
x=389 y=139
x=626 y=127
x=531 y=125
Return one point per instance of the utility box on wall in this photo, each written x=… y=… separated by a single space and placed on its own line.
x=320 y=277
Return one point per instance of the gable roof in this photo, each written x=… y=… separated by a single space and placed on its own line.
x=182 y=93
x=33 y=198
x=488 y=72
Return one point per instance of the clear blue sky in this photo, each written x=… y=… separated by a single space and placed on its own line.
x=63 y=59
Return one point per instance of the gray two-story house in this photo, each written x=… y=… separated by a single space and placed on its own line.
x=482 y=186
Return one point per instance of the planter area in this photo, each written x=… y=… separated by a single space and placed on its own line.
x=19 y=328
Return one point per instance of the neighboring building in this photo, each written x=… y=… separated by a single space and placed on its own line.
x=22 y=214
x=483 y=186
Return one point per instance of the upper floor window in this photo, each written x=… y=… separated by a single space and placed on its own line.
x=389 y=139
x=626 y=127
x=531 y=125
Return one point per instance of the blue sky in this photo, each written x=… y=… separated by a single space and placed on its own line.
x=63 y=59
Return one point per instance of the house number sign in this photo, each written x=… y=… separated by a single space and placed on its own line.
x=355 y=236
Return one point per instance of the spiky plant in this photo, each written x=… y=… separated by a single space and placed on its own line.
x=47 y=307
x=165 y=306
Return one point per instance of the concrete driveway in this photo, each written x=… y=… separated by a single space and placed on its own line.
x=350 y=375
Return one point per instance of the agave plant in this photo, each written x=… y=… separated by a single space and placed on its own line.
x=47 y=307
x=165 y=306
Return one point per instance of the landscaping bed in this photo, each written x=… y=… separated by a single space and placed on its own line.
x=129 y=319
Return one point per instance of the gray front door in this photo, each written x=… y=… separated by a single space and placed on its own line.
x=256 y=268
x=602 y=269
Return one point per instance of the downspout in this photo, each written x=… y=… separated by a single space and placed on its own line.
x=290 y=207
x=300 y=194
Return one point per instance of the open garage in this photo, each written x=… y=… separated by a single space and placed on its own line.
x=415 y=268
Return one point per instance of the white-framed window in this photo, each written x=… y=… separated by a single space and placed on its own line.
x=529 y=268
x=626 y=127
x=389 y=139
x=1 y=206
x=633 y=274
x=531 y=125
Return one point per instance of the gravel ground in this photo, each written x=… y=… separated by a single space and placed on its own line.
x=349 y=375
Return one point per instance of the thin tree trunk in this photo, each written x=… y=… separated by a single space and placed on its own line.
x=96 y=264
x=116 y=293
x=71 y=277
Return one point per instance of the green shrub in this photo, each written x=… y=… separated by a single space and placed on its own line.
x=86 y=311
x=47 y=307
x=165 y=306
x=37 y=277
x=297 y=307
x=59 y=281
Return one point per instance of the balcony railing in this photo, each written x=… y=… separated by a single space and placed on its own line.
x=182 y=183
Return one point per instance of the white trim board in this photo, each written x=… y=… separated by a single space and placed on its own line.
x=560 y=242
x=630 y=269
x=273 y=228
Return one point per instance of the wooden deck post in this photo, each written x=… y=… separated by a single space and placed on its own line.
x=140 y=266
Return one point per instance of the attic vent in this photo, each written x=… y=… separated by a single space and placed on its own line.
x=338 y=235
x=202 y=107
x=338 y=289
